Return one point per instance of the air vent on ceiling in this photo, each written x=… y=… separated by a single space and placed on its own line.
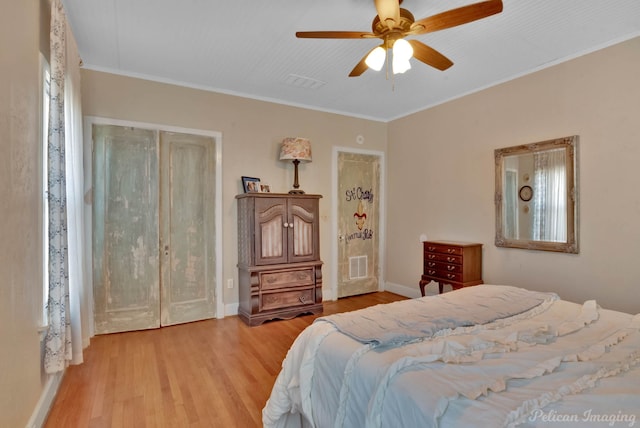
x=303 y=82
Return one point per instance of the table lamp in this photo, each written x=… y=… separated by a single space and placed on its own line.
x=298 y=149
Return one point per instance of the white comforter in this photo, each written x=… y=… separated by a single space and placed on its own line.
x=541 y=362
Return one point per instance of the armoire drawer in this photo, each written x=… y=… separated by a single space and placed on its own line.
x=287 y=278
x=286 y=299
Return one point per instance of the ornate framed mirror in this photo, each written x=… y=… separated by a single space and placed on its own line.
x=536 y=196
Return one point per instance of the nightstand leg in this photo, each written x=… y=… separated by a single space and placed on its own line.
x=422 y=285
x=440 y=285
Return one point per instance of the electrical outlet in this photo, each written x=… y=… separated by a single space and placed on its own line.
x=230 y=283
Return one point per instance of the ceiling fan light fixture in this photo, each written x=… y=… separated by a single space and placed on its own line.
x=402 y=53
x=402 y=50
x=400 y=65
x=375 y=59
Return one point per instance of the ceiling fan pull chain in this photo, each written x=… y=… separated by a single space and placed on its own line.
x=386 y=68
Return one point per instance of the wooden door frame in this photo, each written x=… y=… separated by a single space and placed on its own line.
x=88 y=123
x=333 y=292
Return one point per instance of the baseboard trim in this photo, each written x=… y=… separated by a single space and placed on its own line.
x=231 y=309
x=39 y=415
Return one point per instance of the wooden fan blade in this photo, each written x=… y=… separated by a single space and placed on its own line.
x=334 y=35
x=388 y=11
x=455 y=17
x=429 y=55
x=360 y=67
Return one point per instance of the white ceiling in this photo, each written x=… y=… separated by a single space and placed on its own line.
x=248 y=48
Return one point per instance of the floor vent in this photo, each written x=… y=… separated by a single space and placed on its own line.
x=358 y=267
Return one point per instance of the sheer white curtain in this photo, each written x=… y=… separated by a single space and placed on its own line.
x=75 y=200
x=550 y=196
x=64 y=339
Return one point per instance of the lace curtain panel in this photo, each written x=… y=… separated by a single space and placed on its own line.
x=65 y=189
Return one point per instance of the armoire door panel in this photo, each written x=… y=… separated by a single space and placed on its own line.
x=304 y=236
x=271 y=231
x=271 y=242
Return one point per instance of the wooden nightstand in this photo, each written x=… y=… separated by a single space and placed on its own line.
x=451 y=262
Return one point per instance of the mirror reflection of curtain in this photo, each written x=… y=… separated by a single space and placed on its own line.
x=550 y=196
x=511 y=205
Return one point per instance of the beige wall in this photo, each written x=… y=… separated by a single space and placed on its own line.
x=441 y=176
x=251 y=135
x=20 y=278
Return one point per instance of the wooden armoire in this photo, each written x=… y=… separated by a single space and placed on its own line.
x=279 y=266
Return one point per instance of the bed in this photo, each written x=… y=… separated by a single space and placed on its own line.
x=483 y=356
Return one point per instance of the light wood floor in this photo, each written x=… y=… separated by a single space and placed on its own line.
x=214 y=373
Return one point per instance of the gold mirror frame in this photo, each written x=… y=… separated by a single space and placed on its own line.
x=570 y=144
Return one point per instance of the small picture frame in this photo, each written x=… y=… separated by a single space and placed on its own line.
x=251 y=184
x=265 y=188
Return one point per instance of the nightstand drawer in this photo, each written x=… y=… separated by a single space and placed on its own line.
x=439 y=257
x=443 y=267
x=443 y=275
x=286 y=278
x=444 y=249
x=286 y=299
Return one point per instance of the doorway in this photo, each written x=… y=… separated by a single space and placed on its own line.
x=154 y=227
x=359 y=232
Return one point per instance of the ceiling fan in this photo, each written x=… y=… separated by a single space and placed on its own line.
x=393 y=24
